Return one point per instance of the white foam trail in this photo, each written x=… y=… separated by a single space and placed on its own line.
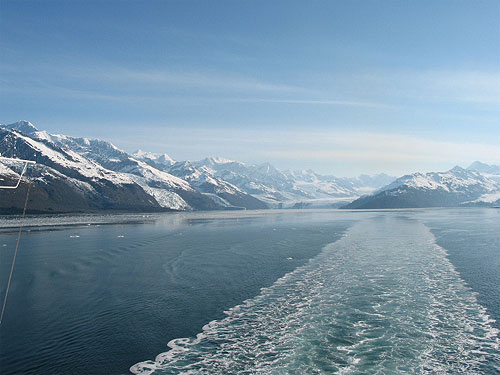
x=384 y=299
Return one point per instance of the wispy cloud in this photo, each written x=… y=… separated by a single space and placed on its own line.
x=314 y=102
x=190 y=79
x=120 y=77
x=102 y=81
x=446 y=85
x=170 y=86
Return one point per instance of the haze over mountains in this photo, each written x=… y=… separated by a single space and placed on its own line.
x=91 y=175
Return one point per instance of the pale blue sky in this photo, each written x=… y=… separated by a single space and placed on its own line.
x=342 y=87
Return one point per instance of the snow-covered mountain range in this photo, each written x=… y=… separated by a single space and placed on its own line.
x=89 y=175
x=456 y=187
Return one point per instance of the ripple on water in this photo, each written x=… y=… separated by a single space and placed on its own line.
x=382 y=300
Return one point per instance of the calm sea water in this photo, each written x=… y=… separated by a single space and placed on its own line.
x=276 y=292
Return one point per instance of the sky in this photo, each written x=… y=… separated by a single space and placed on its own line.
x=340 y=87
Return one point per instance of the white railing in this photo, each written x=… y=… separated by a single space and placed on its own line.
x=26 y=163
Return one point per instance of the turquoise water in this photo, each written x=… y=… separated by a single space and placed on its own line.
x=277 y=292
x=384 y=299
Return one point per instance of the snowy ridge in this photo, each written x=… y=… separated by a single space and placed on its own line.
x=72 y=160
x=111 y=157
x=94 y=174
x=203 y=177
x=454 y=180
x=153 y=176
x=206 y=181
x=315 y=184
x=162 y=159
x=456 y=187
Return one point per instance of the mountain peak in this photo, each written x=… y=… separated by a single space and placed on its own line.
x=477 y=164
x=22 y=126
x=159 y=158
x=144 y=154
x=457 y=168
x=218 y=160
x=484 y=168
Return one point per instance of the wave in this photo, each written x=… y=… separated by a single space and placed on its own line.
x=383 y=299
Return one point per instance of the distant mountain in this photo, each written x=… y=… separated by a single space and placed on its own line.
x=339 y=186
x=262 y=181
x=490 y=171
x=284 y=189
x=207 y=182
x=484 y=168
x=367 y=182
x=456 y=187
x=156 y=160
